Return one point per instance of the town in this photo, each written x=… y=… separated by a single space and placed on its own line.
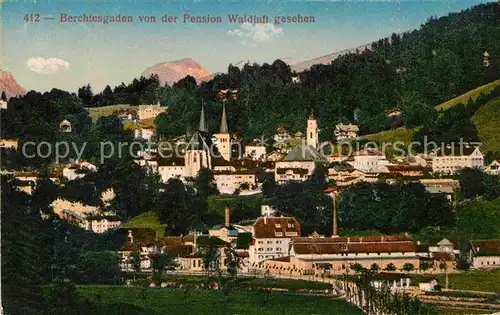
x=262 y=188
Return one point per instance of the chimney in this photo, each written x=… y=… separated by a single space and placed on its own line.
x=228 y=220
x=130 y=238
x=348 y=240
x=194 y=242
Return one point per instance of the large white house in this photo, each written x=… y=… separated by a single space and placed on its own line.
x=272 y=236
x=485 y=253
x=452 y=159
x=343 y=132
x=369 y=160
x=256 y=150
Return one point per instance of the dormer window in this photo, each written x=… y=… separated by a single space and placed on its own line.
x=278 y=225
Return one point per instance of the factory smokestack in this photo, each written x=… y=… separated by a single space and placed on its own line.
x=228 y=216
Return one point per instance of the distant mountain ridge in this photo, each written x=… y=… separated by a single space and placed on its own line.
x=171 y=72
x=326 y=59
x=9 y=85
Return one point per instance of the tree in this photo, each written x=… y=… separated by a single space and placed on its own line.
x=390 y=267
x=443 y=266
x=97 y=268
x=471 y=183
x=162 y=262
x=408 y=267
x=204 y=183
x=268 y=187
x=22 y=265
x=232 y=261
x=374 y=267
x=424 y=266
x=85 y=94
x=357 y=267
x=211 y=258
x=136 y=262
x=174 y=207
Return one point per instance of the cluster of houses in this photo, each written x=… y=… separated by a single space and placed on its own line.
x=237 y=171
x=274 y=244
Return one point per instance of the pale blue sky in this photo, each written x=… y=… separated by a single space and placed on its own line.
x=109 y=54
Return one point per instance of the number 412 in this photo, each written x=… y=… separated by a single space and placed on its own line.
x=33 y=17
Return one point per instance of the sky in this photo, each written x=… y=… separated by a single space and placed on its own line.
x=42 y=52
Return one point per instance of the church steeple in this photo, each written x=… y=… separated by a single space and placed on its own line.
x=223 y=122
x=203 y=123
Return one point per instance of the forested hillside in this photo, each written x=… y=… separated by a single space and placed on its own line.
x=414 y=71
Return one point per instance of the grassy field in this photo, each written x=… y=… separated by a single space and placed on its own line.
x=487 y=122
x=134 y=300
x=488 y=281
x=404 y=135
x=484 y=120
x=146 y=220
x=464 y=98
x=96 y=112
x=246 y=283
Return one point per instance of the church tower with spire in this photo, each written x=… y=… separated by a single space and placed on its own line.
x=223 y=137
x=312 y=131
x=197 y=154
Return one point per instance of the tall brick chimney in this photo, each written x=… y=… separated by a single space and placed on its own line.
x=228 y=217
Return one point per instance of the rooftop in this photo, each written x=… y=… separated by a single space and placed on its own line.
x=304 y=153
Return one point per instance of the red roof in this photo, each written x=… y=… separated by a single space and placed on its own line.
x=373 y=244
x=276 y=227
x=486 y=247
x=368 y=152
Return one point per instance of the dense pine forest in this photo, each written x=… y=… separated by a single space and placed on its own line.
x=413 y=72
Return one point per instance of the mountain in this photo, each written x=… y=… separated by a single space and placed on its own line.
x=9 y=85
x=324 y=60
x=171 y=72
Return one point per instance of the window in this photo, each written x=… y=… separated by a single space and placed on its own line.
x=278 y=242
x=261 y=249
x=269 y=249
x=260 y=242
x=269 y=242
x=278 y=249
x=277 y=225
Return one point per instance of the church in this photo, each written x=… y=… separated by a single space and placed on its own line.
x=199 y=153
x=301 y=162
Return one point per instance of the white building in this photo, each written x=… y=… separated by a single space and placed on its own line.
x=485 y=253
x=101 y=225
x=229 y=181
x=272 y=238
x=3 y=104
x=223 y=137
x=368 y=160
x=301 y=162
x=452 y=159
x=267 y=211
x=145 y=133
x=78 y=170
x=256 y=151
x=343 y=132
x=9 y=143
x=149 y=111
x=312 y=131
x=298 y=165
x=493 y=168
x=282 y=135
